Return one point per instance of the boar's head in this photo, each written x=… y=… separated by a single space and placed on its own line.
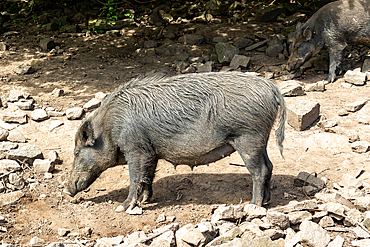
x=303 y=48
x=92 y=155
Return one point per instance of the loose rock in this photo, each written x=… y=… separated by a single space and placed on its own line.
x=301 y=115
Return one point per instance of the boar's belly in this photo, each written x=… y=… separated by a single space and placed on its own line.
x=200 y=158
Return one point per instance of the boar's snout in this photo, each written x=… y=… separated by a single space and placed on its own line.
x=70 y=190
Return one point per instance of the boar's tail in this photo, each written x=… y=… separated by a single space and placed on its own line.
x=281 y=125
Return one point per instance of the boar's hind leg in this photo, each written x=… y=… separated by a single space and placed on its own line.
x=260 y=167
x=335 y=55
x=141 y=179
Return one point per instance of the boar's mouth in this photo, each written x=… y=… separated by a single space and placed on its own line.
x=70 y=190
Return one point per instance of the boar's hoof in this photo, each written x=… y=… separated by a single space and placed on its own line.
x=129 y=204
x=66 y=191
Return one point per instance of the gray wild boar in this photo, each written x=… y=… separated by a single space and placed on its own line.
x=191 y=119
x=334 y=25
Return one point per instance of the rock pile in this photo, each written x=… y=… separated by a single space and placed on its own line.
x=335 y=217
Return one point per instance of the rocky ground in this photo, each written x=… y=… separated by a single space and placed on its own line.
x=51 y=80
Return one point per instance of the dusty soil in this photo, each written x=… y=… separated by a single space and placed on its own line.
x=100 y=64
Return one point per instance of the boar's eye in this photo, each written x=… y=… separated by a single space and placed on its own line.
x=76 y=153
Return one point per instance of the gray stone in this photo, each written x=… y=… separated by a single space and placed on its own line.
x=15 y=95
x=3 y=134
x=319 y=215
x=223 y=213
x=182 y=233
x=227 y=237
x=91 y=105
x=24 y=69
x=355 y=106
x=327 y=123
x=355 y=77
x=74 y=113
x=328 y=142
x=25 y=153
x=342 y=112
x=353 y=137
x=150 y=44
x=305 y=178
x=207 y=67
x=292 y=88
x=274 y=234
x=302 y=114
x=225 y=52
x=220 y=39
x=336 y=209
x=274 y=47
x=35 y=241
x=4 y=101
x=39 y=115
x=167 y=239
x=241 y=43
x=314 y=234
x=299 y=216
x=109 y=241
x=135 y=237
x=366 y=65
x=361 y=243
x=350 y=182
x=225 y=227
x=360 y=146
x=240 y=61
x=6 y=146
x=191 y=39
x=337 y=242
x=161 y=218
x=315 y=87
x=47 y=44
x=57 y=92
x=362 y=203
x=9 y=198
x=14 y=117
x=240 y=243
x=15 y=136
x=53 y=113
x=100 y=96
x=296 y=206
x=9 y=166
x=43 y=165
x=326 y=221
x=256 y=45
x=16 y=182
x=363 y=115
x=360 y=233
x=25 y=104
x=278 y=219
x=63 y=232
x=253 y=211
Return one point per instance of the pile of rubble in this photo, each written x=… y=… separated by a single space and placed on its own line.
x=335 y=217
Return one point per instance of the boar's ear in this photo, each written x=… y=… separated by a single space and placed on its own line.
x=307 y=34
x=86 y=134
x=299 y=25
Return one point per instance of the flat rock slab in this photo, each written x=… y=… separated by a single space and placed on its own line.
x=355 y=106
x=9 y=198
x=292 y=88
x=15 y=117
x=314 y=234
x=27 y=153
x=8 y=166
x=74 y=113
x=39 y=115
x=363 y=115
x=328 y=142
x=305 y=178
x=302 y=114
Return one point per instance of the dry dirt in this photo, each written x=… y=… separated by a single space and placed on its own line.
x=100 y=64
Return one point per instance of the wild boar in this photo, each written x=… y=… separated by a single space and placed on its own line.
x=190 y=119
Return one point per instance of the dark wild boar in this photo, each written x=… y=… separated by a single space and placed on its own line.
x=334 y=26
x=191 y=119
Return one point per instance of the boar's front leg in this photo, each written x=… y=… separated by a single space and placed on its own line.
x=335 y=55
x=141 y=170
